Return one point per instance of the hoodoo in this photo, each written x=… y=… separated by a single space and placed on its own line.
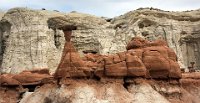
x=92 y=60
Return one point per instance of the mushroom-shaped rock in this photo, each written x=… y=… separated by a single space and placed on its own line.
x=79 y=20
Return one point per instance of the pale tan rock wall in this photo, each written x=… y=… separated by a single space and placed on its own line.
x=28 y=43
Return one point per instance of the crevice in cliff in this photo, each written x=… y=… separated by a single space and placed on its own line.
x=57 y=39
x=5 y=28
x=126 y=84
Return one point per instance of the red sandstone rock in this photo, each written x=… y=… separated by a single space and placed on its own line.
x=90 y=57
x=153 y=59
x=135 y=66
x=28 y=78
x=160 y=60
x=109 y=60
x=39 y=71
x=189 y=81
x=137 y=52
x=172 y=54
x=6 y=79
x=156 y=63
x=193 y=75
x=116 y=58
x=116 y=70
x=24 y=78
x=93 y=57
x=122 y=56
x=174 y=71
x=71 y=64
x=137 y=42
x=8 y=95
x=157 y=43
x=163 y=51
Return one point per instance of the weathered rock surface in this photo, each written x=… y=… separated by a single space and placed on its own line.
x=121 y=77
x=25 y=78
x=1 y=14
x=179 y=29
x=148 y=59
x=26 y=41
x=108 y=91
x=8 y=95
x=90 y=32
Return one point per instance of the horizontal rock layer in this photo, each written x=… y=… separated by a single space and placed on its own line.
x=107 y=90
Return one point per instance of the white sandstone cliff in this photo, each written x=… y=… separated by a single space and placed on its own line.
x=27 y=42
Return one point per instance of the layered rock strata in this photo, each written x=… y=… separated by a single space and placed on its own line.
x=26 y=41
x=179 y=29
x=109 y=90
x=143 y=59
x=136 y=70
x=119 y=78
x=37 y=46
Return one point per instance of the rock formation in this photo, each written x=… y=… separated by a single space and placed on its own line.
x=144 y=71
x=110 y=90
x=38 y=47
x=27 y=43
x=34 y=77
x=115 y=84
x=143 y=58
x=179 y=29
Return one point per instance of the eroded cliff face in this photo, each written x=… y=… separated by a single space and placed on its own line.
x=26 y=41
x=145 y=72
x=179 y=29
